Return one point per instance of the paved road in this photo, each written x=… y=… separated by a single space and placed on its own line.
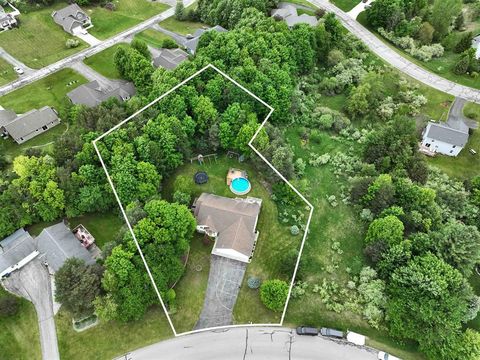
x=224 y=281
x=41 y=73
x=33 y=283
x=14 y=62
x=397 y=61
x=253 y=343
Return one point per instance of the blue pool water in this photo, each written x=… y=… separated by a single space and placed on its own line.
x=240 y=185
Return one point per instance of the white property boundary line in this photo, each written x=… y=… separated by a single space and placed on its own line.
x=209 y=66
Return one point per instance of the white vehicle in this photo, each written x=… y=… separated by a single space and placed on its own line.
x=18 y=70
x=355 y=338
x=382 y=355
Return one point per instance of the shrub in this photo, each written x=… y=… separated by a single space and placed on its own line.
x=294 y=230
x=273 y=294
x=254 y=282
x=169 y=44
x=181 y=198
x=72 y=43
x=8 y=306
x=334 y=57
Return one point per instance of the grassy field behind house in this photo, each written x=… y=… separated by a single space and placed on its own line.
x=181 y=27
x=19 y=335
x=128 y=13
x=38 y=40
x=103 y=62
x=6 y=72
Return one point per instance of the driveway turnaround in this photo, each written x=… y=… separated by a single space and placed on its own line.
x=123 y=36
x=251 y=343
x=224 y=281
x=33 y=283
x=396 y=60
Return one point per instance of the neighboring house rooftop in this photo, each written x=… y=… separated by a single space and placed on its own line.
x=445 y=133
x=24 y=125
x=71 y=17
x=170 y=58
x=7 y=19
x=289 y=14
x=192 y=44
x=57 y=244
x=15 y=248
x=91 y=94
x=476 y=45
x=234 y=221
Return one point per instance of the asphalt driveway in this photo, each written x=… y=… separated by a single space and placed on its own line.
x=33 y=283
x=224 y=281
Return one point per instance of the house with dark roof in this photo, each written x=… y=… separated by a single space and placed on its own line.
x=92 y=94
x=231 y=222
x=26 y=126
x=288 y=13
x=16 y=251
x=8 y=19
x=170 y=58
x=192 y=44
x=444 y=139
x=72 y=19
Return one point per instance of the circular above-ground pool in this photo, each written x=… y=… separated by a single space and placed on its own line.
x=240 y=186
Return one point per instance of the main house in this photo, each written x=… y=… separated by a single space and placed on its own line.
x=231 y=222
x=169 y=58
x=192 y=44
x=26 y=126
x=92 y=94
x=289 y=14
x=444 y=139
x=8 y=19
x=72 y=19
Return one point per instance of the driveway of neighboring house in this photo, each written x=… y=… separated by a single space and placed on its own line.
x=224 y=281
x=89 y=39
x=455 y=115
x=179 y=39
x=359 y=8
x=92 y=75
x=33 y=283
x=14 y=62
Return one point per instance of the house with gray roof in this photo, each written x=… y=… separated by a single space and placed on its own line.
x=170 y=58
x=92 y=94
x=288 y=13
x=444 y=139
x=26 y=126
x=57 y=243
x=8 y=18
x=192 y=44
x=16 y=251
x=72 y=19
x=231 y=222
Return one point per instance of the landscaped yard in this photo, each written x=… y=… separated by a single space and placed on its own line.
x=6 y=72
x=38 y=41
x=19 y=336
x=346 y=5
x=110 y=339
x=152 y=37
x=50 y=91
x=103 y=62
x=128 y=13
x=181 y=27
x=273 y=242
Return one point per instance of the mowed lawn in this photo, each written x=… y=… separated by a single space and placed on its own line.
x=50 y=91
x=6 y=72
x=110 y=339
x=103 y=62
x=19 y=335
x=181 y=27
x=273 y=242
x=152 y=37
x=128 y=13
x=38 y=41
x=346 y=5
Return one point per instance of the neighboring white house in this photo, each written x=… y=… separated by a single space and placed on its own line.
x=8 y=19
x=72 y=19
x=443 y=139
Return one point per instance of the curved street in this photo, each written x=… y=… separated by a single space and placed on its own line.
x=249 y=343
x=397 y=61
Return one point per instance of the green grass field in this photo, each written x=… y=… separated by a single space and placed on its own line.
x=6 y=72
x=19 y=335
x=152 y=37
x=103 y=62
x=50 y=91
x=346 y=5
x=103 y=226
x=38 y=41
x=127 y=14
x=181 y=27
x=111 y=339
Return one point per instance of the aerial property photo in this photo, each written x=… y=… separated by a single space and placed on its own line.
x=240 y=179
